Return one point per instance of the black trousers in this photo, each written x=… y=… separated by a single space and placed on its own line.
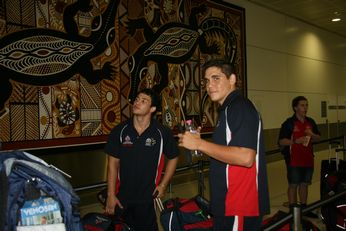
x=239 y=223
x=141 y=216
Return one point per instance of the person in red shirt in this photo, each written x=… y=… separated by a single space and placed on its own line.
x=296 y=136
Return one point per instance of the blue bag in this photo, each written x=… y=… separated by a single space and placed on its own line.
x=23 y=175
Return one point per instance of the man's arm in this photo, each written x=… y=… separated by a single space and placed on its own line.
x=314 y=133
x=169 y=172
x=285 y=134
x=285 y=142
x=315 y=137
x=228 y=154
x=112 y=175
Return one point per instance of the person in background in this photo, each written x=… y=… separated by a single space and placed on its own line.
x=136 y=149
x=295 y=139
x=238 y=178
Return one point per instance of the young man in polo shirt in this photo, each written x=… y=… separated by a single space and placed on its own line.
x=136 y=149
x=238 y=178
x=296 y=136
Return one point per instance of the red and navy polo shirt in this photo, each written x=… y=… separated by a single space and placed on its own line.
x=238 y=190
x=141 y=158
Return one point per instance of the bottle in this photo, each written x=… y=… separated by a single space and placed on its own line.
x=189 y=126
x=307 y=137
x=306 y=141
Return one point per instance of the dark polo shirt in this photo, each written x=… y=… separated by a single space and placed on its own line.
x=234 y=189
x=141 y=158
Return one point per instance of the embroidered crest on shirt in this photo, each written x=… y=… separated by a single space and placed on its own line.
x=150 y=142
x=127 y=141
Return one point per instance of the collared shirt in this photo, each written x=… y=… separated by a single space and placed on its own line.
x=298 y=154
x=237 y=190
x=141 y=158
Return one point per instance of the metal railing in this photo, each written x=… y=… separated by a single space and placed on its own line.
x=294 y=217
x=297 y=212
x=197 y=164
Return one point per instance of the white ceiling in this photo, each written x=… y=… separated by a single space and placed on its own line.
x=315 y=12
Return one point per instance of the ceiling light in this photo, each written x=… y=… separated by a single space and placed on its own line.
x=336 y=17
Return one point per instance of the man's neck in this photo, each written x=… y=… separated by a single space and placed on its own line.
x=141 y=123
x=300 y=117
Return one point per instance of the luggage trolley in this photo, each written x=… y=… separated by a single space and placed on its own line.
x=329 y=166
x=333 y=181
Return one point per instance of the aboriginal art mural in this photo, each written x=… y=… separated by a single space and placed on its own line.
x=70 y=69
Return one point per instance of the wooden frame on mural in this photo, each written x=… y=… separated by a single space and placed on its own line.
x=70 y=71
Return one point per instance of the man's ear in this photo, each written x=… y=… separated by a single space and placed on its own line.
x=233 y=79
x=152 y=109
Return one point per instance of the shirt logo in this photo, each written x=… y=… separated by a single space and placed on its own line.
x=127 y=141
x=150 y=142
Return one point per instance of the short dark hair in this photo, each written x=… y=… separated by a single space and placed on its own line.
x=155 y=100
x=296 y=101
x=226 y=67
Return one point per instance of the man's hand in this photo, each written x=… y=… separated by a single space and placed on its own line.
x=304 y=140
x=159 y=191
x=189 y=140
x=112 y=202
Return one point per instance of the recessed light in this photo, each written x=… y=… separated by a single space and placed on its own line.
x=336 y=17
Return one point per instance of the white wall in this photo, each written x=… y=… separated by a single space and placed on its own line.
x=287 y=57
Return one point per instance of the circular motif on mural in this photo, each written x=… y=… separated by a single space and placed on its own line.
x=109 y=96
x=45 y=90
x=111 y=116
x=43 y=120
x=66 y=113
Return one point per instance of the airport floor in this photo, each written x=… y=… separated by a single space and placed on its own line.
x=277 y=189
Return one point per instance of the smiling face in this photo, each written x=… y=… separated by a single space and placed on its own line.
x=218 y=85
